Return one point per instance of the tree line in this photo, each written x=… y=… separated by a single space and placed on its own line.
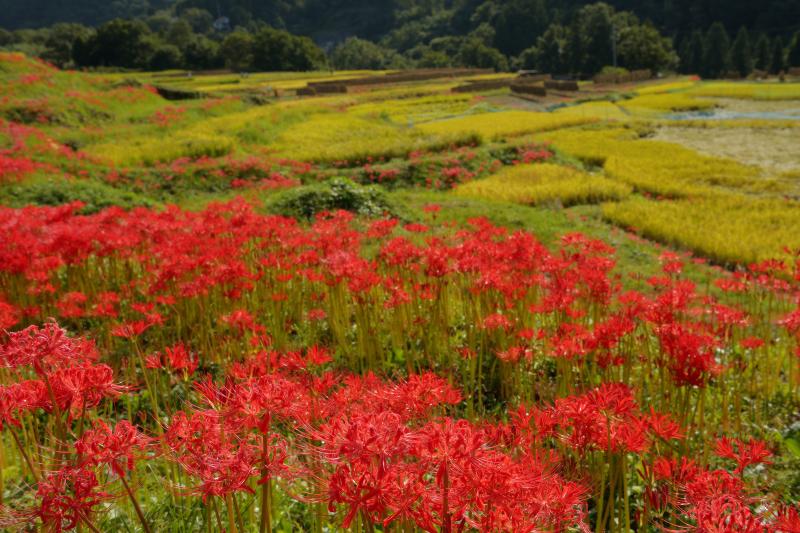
x=518 y=34
x=517 y=22
x=714 y=54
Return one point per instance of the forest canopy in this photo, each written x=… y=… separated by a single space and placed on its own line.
x=574 y=37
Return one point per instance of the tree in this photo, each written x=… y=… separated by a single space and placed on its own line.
x=6 y=37
x=180 y=34
x=159 y=23
x=778 y=61
x=741 y=53
x=433 y=59
x=203 y=54
x=165 y=56
x=716 y=59
x=684 y=50
x=485 y=33
x=575 y=50
x=199 y=19
x=358 y=54
x=762 y=55
x=548 y=55
x=516 y=23
x=793 y=55
x=278 y=50
x=237 y=51
x=640 y=46
x=474 y=53
x=61 y=42
x=527 y=59
x=450 y=46
x=692 y=57
x=597 y=26
x=119 y=43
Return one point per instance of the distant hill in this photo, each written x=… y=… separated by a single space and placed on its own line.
x=373 y=19
x=16 y=14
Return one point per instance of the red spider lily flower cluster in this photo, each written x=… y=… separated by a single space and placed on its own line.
x=684 y=493
x=250 y=341
x=70 y=381
x=68 y=498
x=15 y=168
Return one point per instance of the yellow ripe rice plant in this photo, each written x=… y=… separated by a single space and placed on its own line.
x=601 y=110
x=655 y=167
x=260 y=125
x=486 y=77
x=668 y=169
x=148 y=150
x=749 y=90
x=664 y=103
x=416 y=110
x=727 y=228
x=344 y=137
x=592 y=146
x=496 y=126
x=668 y=87
x=545 y=184
x=377 y=93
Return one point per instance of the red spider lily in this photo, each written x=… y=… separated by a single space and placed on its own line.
x=117 y=447
x=168 y=116
x=381 y=228
x=671 y=263
x=791 y=321
x=243 y=322
x=362 y=450
x=19 y=398
x=450 y=448
x=497 y=321
x=177 y=358
x=135 y=328
x=533 y=154
x=318 y=356
x=751 y=343
x=14 y=168
x=691 y=355
x=719 y=502
x=72 y=304
x=787 y=520
x=45 y=348
x=714 y=500
x=9 y=315
x=210 y=450
x=513 y=354
x=68 y=497
x=255 y=403
x=744 y=453
x=83 y=387
x=607 y=418
x=662 y=426
x=523 y=495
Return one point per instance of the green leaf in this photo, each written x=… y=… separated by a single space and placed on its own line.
x=794 y=446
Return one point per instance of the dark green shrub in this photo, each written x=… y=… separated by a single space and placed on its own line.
x=335 y=194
